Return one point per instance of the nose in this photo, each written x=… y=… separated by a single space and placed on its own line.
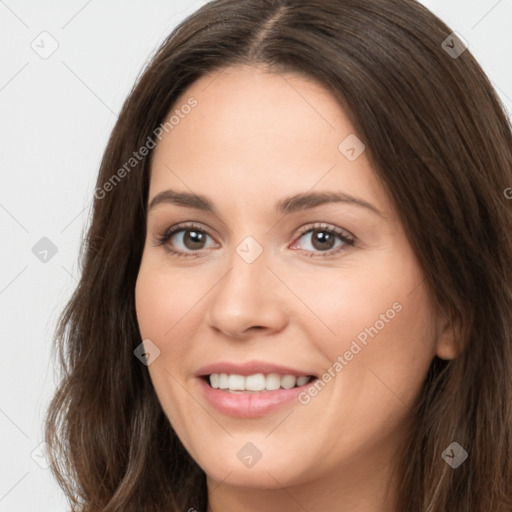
x=246 y=301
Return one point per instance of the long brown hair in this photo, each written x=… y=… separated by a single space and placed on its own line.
x=441 y=144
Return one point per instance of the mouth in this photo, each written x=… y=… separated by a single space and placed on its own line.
x=254 y=395
x=251 y=389
x=255 y=383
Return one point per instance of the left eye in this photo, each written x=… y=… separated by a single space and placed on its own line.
x=323 y=239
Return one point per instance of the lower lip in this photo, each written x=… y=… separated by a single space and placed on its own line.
x=251 y=404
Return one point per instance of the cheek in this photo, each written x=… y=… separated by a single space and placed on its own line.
x=165 y=314
x=382 y=299
x=377 y=325
x=159 y=310
x=155 y=302
x=167 y=302
x=376 y=360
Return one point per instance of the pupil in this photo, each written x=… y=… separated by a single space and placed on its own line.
x=322 y=237
x=196 y=239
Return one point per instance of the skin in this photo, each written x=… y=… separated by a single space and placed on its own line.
x=253 y=138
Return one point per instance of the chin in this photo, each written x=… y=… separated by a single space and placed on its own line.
x=258 y=464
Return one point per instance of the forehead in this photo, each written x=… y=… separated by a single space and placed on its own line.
x=253 y=98
x=255 y=130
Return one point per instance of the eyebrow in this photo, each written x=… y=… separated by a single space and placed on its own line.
x=297 y=202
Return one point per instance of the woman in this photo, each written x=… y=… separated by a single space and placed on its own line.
x=296 y=287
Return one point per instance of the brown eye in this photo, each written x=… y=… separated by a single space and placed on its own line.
x=190 y=239
x=322 y=239
x=193 y=239
x=185 y=239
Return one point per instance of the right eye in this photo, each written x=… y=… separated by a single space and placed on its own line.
x=189 y=238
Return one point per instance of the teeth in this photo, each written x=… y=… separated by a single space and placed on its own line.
x=236 y=382
x=214 y=380
x=256 y=382
x=272 y=381
x=288 y=382
x=223 y=381
x=302 y=380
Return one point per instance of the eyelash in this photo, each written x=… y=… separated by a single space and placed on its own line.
x=347 y=240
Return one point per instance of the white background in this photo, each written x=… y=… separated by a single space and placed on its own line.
x=56 y=116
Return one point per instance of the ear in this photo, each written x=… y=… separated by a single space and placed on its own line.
x=448 y=344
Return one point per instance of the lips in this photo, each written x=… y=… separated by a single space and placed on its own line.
x=243 y=389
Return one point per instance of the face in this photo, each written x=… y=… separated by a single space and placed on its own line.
x=258 y=290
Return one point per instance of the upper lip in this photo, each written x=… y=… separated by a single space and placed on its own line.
x=250 y=368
